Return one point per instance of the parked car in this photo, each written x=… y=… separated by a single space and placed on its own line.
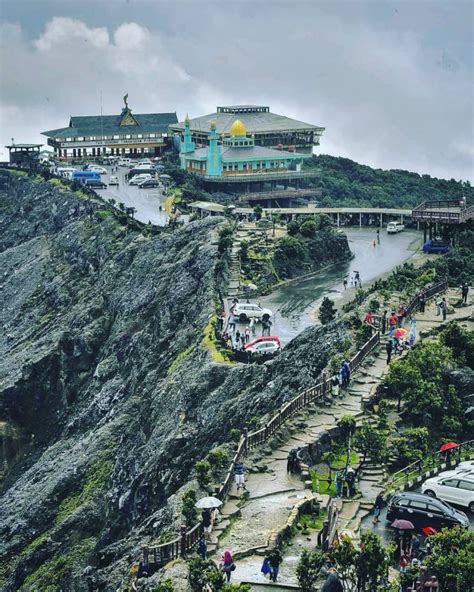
x=466 y=464
x=245 y=311
x=456 y=487
x=139 y=171
x=423 y=510
x=114 y=180
x=264 y=345
x=148 y=184
x=95 y=184
x=137 y=179
x=125 y=162
x=97 y=168
x=83 y=176
x=159 y=167
x=435 y=246
x=394 y=227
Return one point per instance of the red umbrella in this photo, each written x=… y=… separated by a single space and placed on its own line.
x=400 y=332
x=402 y=524
x=448 y=446
x=428 y=531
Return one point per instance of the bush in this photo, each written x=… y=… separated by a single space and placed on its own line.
x=189 y=510
x=411 y=445
x=202 y=473
x=308 y=228
x=308 y=568
x=217 y=459
x=327 y=311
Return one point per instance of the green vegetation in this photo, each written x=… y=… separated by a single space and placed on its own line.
x=95 y=480
x=412 y=445
x=203 y=469
x=218 y=354
x=347 y=183
x=179 y=358
x=205 y=575
x=308 y=568
x=217 y=460
x=370 y=443
x=327 y=311
x=421 y=381
x=189 y=510
x=452 y=560
x=164 y=586
x=48 y=577
x=35 y=543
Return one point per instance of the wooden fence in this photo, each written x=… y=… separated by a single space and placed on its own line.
x=160 y=554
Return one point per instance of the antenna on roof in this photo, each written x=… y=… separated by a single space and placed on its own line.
x=101 y=121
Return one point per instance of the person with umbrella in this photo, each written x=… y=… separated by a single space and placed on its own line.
x=206 y=504
x=447 y=449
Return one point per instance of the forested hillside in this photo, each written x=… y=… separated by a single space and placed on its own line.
x=344 y=181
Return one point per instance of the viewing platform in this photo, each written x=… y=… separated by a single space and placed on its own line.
x=445 y=212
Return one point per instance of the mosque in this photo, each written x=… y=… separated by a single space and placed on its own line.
x=237 y=164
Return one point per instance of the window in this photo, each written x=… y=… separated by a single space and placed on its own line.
x=128 y=136
x=418 y=505
x=434 y=509
x=450 y=482
x=139 y=136
x=80 y=139
x=152 y=135
x=116 y=137
x=467 y=485
x=68 y=139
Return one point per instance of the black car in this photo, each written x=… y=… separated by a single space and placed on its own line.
x=95 y=184
x=423 y=510
x=147 y=183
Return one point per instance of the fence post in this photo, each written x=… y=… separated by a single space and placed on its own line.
x=246 y=440
x=183 y=530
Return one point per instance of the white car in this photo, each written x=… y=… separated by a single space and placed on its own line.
x=394 y=227
x=125 y=162
x=264 y=345
x=66 y=172
x=453 y=487
x=137 y=179
x=245 y=311
x=465 y=465
x=146 y=161
x=114 y=180
x=97 y=169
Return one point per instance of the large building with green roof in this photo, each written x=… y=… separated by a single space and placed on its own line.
x=127 y=134
x=267 y=129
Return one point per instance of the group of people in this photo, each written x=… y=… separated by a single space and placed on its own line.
x=271 y=564
x=341 y=379
x=354 y=280
x=411 y=558
x=346 y=482
x=293 y=460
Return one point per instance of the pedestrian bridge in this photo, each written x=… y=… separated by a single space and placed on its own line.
x=342 y=215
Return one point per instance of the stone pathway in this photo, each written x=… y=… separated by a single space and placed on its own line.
x=249 y=520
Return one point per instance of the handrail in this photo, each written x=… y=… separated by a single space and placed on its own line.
x=428 y=463
x=188 y=538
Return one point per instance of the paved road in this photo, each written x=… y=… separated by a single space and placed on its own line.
x=147 y=202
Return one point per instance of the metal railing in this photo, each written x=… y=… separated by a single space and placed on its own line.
x=161 y=554
x=443 y=211
x=428 y=463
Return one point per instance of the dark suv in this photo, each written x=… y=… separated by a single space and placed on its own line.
x=423 y=510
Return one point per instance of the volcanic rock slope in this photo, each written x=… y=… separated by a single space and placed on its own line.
x=105 y=375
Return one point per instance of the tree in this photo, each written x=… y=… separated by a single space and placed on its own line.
x=327 y=312
x=411 y=445
x=189 y=510
x=347 y=426
x=293 y=228
x=217 y=459
x=370 y=443
x=244 y=250
x=452 y=559
x=308 y=568
x=205 y=575
x=308 y=228
x=258 y=210
x=202 y=473
x=164 y=586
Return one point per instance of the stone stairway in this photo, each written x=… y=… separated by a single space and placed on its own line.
x=234 y=278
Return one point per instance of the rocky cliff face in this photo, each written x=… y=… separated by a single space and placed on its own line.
x=108 y=394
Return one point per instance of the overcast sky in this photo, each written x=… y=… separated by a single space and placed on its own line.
x=392 y=82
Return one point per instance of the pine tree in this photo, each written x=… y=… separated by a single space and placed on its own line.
x=327 y=312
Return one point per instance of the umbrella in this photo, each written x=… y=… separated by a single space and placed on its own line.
x=400 y=332
x=428 y=531
x=402 y=524
x=448 y=446
x=208 y=502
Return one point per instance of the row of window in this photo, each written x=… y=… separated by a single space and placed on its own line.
x=115 y=137
x=258 y=166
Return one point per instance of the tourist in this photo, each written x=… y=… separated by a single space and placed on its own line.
x=202 y=548
x=247 y=335
x=378 y=236
x=464 y=292
x=389 y=348
x=206 y=522
x=414 y=546
x=253 y=327
x=438 y=308
x=422 y=301
x=274 y=559
x=293 y=460
x=243 y=339
x=339 y=483
x=231 y=325
x=239 y=475
x=369 y=319
x=235 y=301
x=384 y=322
x=350 y=480
x=335 y=385
x=332 y=583
x=220 y=322
x=444 y=308
x=227 y=564
x=345 y=373
x=378 y=504
x=401 y=315
x=237 y=339
x=392 y=322
x=344 y=283
x=266 y=569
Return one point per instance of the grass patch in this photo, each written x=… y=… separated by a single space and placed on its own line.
x=103 y=214
x=17 y=173
x=320 y=482
x=179 y=358
x=95 y=479
x=209 y=342
x=48 y=576
x=35 y=543
x=309 y=522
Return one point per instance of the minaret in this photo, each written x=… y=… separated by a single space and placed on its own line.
x=214 y=161
x=187 y=145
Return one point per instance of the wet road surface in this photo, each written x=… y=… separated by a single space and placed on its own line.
x=295 y=306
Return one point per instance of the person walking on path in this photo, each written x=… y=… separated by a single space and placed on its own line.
x=332 y=583
x=464 y=292
x=206 y=522
x=339 y=484
x=384 y=322
x=227 y=564
x=392 y=322
x=344 y=283
x=202 y=548
x=231 y=325
x=345 y=373
x=389 y=348
x=350 y=480
x=247 y=335
x=237 y=339
x=274 y=559
x=422 y=301
x=239 y=475
x=378 y=504
x=369 y=319
x=444 y=308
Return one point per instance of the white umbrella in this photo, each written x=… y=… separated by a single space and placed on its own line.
x=208 y=502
